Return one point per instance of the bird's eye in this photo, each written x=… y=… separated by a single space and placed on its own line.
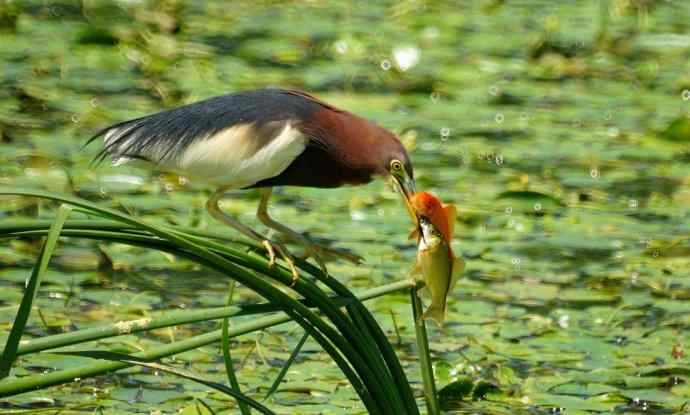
x=396 y=165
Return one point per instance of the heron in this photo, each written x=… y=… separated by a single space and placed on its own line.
x=262 y=139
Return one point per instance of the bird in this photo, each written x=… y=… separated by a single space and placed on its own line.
x=262 y=139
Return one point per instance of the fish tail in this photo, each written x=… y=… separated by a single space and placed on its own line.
x=436 y=313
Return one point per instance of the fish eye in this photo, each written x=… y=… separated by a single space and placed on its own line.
x=396 y=165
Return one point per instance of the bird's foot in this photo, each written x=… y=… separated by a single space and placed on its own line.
x=271 y=249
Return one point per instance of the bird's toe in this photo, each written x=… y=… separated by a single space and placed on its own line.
x=272 y=248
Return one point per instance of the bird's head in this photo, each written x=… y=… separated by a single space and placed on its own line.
x=402 y=176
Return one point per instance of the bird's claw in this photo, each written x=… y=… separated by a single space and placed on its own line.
x=271 y=249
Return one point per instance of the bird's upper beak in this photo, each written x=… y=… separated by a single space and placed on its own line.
x=406 y=187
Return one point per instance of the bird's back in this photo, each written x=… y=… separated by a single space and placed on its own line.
x=268 y=137
x=163 y=138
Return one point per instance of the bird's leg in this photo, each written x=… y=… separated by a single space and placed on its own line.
x=312 y=249
x=271 y=247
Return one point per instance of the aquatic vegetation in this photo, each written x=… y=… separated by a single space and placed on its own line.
x=559 y=130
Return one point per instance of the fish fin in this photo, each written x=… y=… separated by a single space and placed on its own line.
x=438 y=314
x=414 y=234
x=456 y=271
x=450 y=212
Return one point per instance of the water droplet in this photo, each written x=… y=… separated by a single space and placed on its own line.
x=594 y=173
x=445 y=133
x=435 y=96
x=406 y=57
x=494 y=91
x=515 y=261
x=564 y=321
x=634 y=276
x=431 y=32
x=94 y=102
x=385 y=64
x=509 y=210
x=686 y=95
x=632 y=203
x=357 y=215
x=381 y=212
x=499 y=159
x=499 y=118
x=341 y=47
x=519 y=227
x=537 y=207
x=75 y=118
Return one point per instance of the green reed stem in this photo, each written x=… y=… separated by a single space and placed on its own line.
x=432 y=404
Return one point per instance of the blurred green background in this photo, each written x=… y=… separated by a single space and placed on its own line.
x=560 y=129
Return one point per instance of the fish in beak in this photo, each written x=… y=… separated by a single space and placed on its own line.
x=436 y=263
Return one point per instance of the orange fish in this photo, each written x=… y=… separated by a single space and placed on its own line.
x=436 y=262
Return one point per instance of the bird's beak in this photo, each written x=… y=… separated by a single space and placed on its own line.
x=406 y=187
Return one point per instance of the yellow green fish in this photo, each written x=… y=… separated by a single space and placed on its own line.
x=435 y=259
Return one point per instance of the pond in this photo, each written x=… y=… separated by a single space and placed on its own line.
x=560 y=130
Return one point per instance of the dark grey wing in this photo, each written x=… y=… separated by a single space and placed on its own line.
x=162 y=138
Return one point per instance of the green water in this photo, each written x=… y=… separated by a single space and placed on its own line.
x=559 y=129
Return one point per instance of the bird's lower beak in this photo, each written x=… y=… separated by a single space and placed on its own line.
x=406 y=187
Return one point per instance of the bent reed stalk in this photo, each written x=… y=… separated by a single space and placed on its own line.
x=349 y=334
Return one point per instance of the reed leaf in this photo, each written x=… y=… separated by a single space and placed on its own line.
x=286 y=366
x=430 y=395
x=9 y=353
x=347 y=335
x=227 y=358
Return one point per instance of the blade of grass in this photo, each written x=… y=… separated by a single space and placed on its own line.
x=227 y=358
x=286 y=366
x=340 y=350
x=344 y=342
x=9 y=353
x=125 y=358
x=167 y=319
x=391 y=360
x=15 y=386
x=432 y=405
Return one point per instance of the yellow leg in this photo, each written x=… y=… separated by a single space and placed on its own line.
x=318 y=252
x=271 y=247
